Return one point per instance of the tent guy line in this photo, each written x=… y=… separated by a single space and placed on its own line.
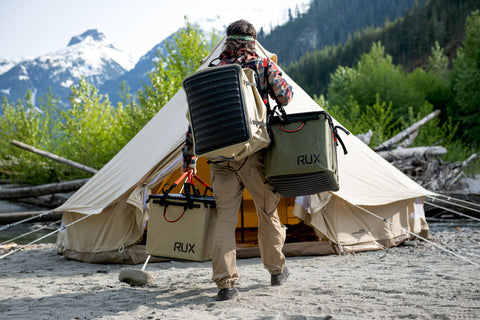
x=454 y=211
x=455 y=199
x=30 y=232
x=418 y=236
x=25 y=220
x=45 y=236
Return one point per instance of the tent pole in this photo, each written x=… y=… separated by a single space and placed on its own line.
x=242 y=223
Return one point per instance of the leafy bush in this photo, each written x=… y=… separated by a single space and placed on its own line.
x=89 y=127
x=374 y=79
x=401 y=99
x=378 y=118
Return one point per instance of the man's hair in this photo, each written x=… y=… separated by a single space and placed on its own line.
x=240 y=28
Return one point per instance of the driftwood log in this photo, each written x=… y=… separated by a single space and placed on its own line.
x=45 y=195
x=408 y=140
x=26 y=192
x=405 y=153
x=365 y=137
x=434 y=174
x=53 y=157
x=50 y=201
x=422 y=164
x=405 y=133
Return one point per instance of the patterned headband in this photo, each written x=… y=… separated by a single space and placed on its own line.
x=241 y=37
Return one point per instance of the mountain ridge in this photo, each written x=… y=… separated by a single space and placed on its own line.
x=90 y=55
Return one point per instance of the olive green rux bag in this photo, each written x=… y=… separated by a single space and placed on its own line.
x=302 y=158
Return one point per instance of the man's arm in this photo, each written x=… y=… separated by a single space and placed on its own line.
x=282 y=91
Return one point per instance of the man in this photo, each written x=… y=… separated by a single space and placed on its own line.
x=229 y=178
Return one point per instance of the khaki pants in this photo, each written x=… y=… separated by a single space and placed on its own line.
x=229 y=178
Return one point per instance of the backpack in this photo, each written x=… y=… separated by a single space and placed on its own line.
x=226 y=112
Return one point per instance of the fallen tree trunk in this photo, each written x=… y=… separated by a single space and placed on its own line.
x=12 y=217
x=25 y=192
x=463 y=165
x=402 y=153
x=434 y=174
x=409 y=140
x=49 y=201
x=53 y=157
x=466 y=162
x=365 y=137
x=402 y=135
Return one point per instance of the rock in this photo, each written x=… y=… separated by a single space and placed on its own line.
x=135 y=277
x=409 y=243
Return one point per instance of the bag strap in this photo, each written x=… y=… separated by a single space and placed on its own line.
x=335 y=136
x=268 y=89
x=264 y=92
x=211 y=62
x=189 y=187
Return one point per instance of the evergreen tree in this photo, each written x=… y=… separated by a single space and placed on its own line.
x=466 y=81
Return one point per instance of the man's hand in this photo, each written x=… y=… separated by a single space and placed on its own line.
x=193 y=171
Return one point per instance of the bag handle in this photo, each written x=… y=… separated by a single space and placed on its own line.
x=293 y=131
x=174 y=184
x=284 y=120
x=187 y=185
x=173 y=221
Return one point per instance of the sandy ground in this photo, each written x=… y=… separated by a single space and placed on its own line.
x=407 y=282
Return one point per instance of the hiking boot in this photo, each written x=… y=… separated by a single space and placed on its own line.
x=226 y=294
x=279 y=279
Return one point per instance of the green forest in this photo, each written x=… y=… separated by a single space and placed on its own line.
x=381 y=78
x=427 y=59
x=329 y=23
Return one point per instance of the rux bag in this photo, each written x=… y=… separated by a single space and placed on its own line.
x=180 y=225
x=226 y=112
x=302 y=158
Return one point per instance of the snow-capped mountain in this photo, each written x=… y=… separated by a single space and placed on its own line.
x=8 y=63
x=136 y=77
x=90 y=55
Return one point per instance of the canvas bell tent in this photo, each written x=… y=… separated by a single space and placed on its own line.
x=115 y=211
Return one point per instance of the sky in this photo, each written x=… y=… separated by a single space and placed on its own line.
x=31 y=28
